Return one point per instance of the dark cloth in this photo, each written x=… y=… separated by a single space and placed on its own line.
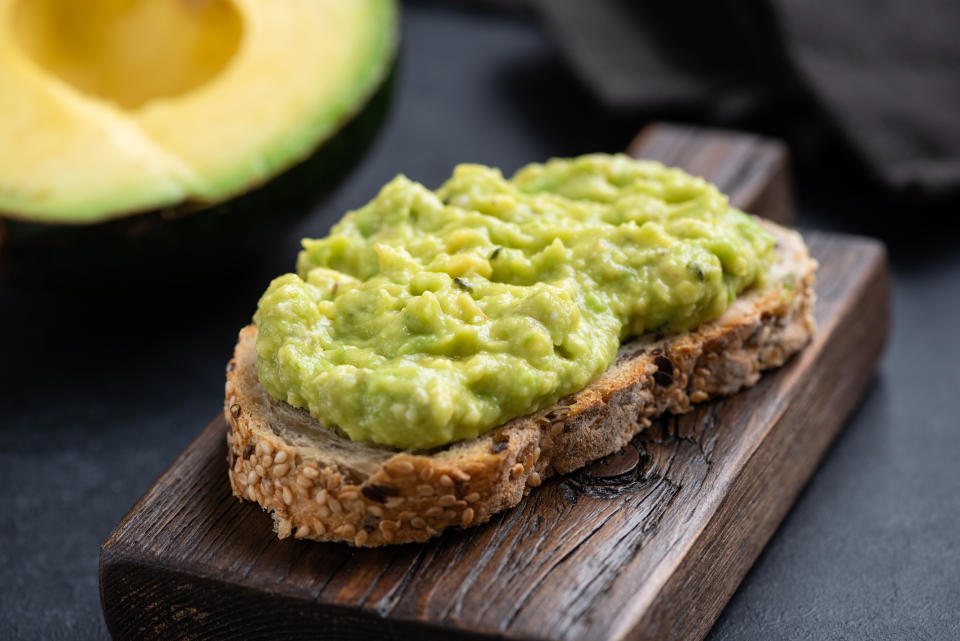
x=881 y=76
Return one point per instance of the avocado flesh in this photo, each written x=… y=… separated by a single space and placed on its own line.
x=86 y=137
x=177 y=243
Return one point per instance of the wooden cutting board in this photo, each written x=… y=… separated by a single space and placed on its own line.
x=648 y=543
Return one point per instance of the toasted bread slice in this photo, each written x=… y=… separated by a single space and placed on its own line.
x=322 y=486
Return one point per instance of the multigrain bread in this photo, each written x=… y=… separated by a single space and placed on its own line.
x=322 y=486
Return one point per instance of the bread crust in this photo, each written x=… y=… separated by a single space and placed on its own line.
x=321 y=486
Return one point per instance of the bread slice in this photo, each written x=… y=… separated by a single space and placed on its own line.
x=321 y=486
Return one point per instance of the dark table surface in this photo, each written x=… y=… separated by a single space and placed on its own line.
x=101 y=390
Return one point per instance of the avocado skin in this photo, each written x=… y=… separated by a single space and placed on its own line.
x=175 y=243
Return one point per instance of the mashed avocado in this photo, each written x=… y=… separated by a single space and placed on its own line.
x=428 y=317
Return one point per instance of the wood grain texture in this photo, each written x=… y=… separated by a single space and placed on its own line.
x=646 y=544
x=752 y=170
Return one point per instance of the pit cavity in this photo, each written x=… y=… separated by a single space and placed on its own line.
x=130 y=52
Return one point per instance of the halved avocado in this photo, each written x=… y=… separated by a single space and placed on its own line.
x=113 y=107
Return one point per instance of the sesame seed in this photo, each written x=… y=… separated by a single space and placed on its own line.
x=319 y=527
x=266 y=461
x=302 y=531
x=310 y=472
x=386 y=489
x=436 y=510
x=406 y=515
x=375 y=510
x=361 y=538
x=321 y=496
x=460 y=475
x=446 y=481
x=394 y=501
x=516 y=470
x=303 y=481
x=259 y=470
x=466 y=517
x=349 y=495
x=334 y=505
x=279 y=471
x=473 y=497
x=323 y=511
x=534 y=480
x=281 y=457
x=287 y=496
x=267 y=447
x=252 y=477
x=387 y=535
x=461 y=504
x=401 y=467
x=449 y=515
x=235 y=410
x=427 y=472
x=346 y=530
x=251 y=494
x=418 y=523
x=446 y=500
x=388 y=526
x=425 y=490
x=373 y=493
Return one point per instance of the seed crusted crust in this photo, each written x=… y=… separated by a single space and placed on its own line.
x=321 y=486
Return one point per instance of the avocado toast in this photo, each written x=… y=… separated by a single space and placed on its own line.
x=320 y=484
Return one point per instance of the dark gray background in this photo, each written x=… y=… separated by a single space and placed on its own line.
x=101 y=391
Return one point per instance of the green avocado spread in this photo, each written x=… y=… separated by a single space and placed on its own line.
x=427 y=317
